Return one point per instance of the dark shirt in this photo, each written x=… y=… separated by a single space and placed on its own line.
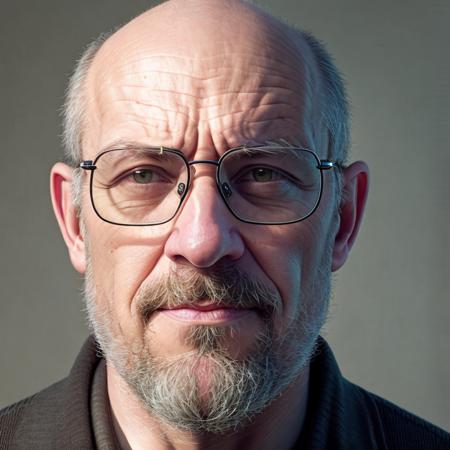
x=75 y=414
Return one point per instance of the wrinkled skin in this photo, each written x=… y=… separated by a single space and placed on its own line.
x=224 y=76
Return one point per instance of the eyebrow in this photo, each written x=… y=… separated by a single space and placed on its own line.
x=120 y=144
x=283 y=143
x=130 y=144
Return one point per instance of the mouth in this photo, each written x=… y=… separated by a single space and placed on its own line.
x=206 y=313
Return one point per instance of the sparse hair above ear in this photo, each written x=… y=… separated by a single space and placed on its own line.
x=74 y=112
x=334 y=104
x=74 y=108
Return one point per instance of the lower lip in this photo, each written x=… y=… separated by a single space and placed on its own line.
x=211 y=316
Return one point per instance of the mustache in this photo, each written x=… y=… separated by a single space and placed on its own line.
x=223 y=284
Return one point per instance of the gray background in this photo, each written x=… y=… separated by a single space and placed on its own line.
x=389 y=324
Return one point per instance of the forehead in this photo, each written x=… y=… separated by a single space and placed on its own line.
x=213 y=91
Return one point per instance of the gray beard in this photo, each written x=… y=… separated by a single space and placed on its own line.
x=238 y=390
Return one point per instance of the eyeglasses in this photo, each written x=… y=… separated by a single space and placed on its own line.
x=267 y=185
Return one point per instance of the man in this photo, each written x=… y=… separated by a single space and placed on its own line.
x=207 y=203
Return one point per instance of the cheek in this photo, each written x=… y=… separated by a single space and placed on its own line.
x=279 y=254
x=292 y=258
x=122 y=261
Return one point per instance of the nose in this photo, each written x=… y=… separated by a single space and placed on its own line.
x=204 y=231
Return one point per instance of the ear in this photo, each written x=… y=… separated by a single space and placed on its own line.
x=355 y=186
x=61 y=179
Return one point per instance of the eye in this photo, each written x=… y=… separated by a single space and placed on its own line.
x=263 y=174
x=143 y=176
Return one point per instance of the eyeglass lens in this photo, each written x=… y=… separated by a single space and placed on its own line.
x=138 y=186
x=270 y=185
x=262 y=185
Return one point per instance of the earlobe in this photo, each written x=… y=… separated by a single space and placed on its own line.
x=353 y=201
x=66 y=212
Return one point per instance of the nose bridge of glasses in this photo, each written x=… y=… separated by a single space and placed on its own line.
x=203 y=200
x=193 y=163
x=204 y=161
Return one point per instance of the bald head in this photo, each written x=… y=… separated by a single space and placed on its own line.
x=204 y=27
x=209 y=28
x=216 y=74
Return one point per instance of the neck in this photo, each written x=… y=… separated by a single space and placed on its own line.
x=278 y=426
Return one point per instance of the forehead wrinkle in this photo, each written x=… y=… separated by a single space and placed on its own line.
x=259 y=131
x=268 y=52
x=147 y=119
x=267 y=88
x=157 y=126
x=249 y=114
x=192 y=72
x=195 y=66
x=197 y=81
x=153 y=116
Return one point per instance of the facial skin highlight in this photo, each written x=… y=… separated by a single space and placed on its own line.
x=225 y=75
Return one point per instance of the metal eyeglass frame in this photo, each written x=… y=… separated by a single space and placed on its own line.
x=90 y=165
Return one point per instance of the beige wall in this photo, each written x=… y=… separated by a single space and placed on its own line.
x=390 y=319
